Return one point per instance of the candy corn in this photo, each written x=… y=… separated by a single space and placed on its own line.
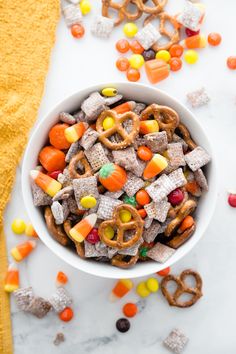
x=81 y=230
x=11 y=282
x=30 y=231
x=156 y=70
x=122 y=287
x=75 y=132
x=193 y=42
x=22 y=250
x=45 y=182
x=124 y=107
x=148 y=126
x=157 y=164
x=61 y=279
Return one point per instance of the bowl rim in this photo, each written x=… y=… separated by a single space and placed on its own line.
x=96 y=270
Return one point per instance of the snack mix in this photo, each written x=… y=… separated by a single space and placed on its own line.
x=119 y=181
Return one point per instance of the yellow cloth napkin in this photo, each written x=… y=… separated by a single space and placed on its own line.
x=27 y=35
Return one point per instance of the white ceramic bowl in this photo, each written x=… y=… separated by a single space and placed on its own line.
x=135 y=92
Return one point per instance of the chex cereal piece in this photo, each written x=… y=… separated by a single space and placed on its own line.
x=102 y=27
x=39 y=307
x=160 y=188
x=177 y=177
x=190 y=16
x=198 y=98
x=140 y=168
x=63 y=194
x=201 y=179
x=160 y=253
x=85 y=186
x=96 y=156
x=164 y=225
x=111 y=100
x=59 y=339
x=60 y=299
x=150 y=210
x=88 y=139
x=57 y=212
x=80 y=116
x=148 y=222
x=72 y=14
x=90 y=250
x=197 y=158
x=151 y=233
x=114 y=195
x=133 y=184
x=176 y=155
x=64 y=178
x=106 y=207
x=127 y=158
x=131 y=251
x=176 y=341
x=67 y=118
x=178 y=139
x=23 y=297
x=93 y=106
x=65 y=208
x=128 y=125
x=157 y=142
x=102 y=249
x=148 y=36
x=74 y=148
x=158 y=210
x=40 y=198
x=138 y=141
x=111 y=252
x=139 y=107
x=72 y=205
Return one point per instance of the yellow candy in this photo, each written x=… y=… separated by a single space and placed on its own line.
x=130 y=29
x=125 y=215
x=164 y=55
x=85 y=7
x=88 y=202
x=108 y=123
x=18 y=226
x=142 y=290
x=109 y=92
x=136 y=61
x=109 y=232
x=191 y=56
x=152 y=285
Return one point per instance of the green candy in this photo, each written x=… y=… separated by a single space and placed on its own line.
x=130 y=200
x=143 y=252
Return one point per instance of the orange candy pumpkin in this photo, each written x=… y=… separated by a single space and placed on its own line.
x=112 y=177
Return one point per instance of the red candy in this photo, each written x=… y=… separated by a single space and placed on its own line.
x=232 y=200
x=93 y=236
x=54 y=174
x=176 y=197
x=164 y=272
x=191 y=33
x=77 y=31
x=122 y=46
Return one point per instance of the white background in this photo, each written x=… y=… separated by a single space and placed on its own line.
x=211 y=323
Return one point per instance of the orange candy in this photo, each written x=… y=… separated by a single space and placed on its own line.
x=133 y=75
x=11 y=281
x=122 y=46
x=48 y=184
x=142 y=197
x=142 y=213
x=164 y=272
x=148 y=126
x=144 y=153
x=77 y=31
x=122 y=64
x=176 y=50
x=66 y=315
x=124 y=107
x=186 y=223
x=130 y=309
x=61 y=279
x=22 y=250
x=156 y=165
x=81 y=230
x=57 y=136
x=214 y=39
x=231 y=63
x=136 y=47
x=156 y=70
x=122 y=287
x=193 y=42
x=52 y=159
x=175 y=64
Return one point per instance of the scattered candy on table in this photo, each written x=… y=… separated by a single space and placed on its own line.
x=191 y=56
x=23 y=250
x=231 y=62
x=123 y=325
x=30 y=231
x=152 y=285
x=214 y=39
x=232 y=200
x=164 y=272
x=11 y=281
x=130 y=29
x=136 y=61
x=130 y=309
x=122 y=287
x=142 y=289
x=61 y=279
x=18 y=226
x=66 y=315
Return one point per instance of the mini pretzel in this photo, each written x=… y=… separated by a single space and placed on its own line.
x=166 y=117
x=136 y=223
x=128 y=138
x=173 y=211
x=56 y=231
x=186 y=136
x=179 y=239
x=78 y=245
x=159 y=5
x=186 y=210
x=119 y=260
x=173 y=36
x=173 y=299
x=73 y=166
x=121 y=9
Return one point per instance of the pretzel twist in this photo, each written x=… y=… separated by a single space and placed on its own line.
x=158 y=6
x=136 y=224
x=56 y=231
x=121 y=262
x=166 y=118
x=174 y=299
x=186 y=136
x=179 y=239
x=128 y=138
x=79 y=157
x=78 y=245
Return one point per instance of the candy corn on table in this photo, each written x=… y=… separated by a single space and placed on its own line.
x=210 y=324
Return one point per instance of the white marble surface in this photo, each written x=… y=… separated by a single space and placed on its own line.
x=210 y=324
